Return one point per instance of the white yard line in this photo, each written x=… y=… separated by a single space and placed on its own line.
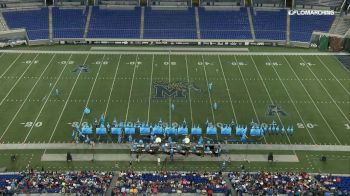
x=150 y=92
x=292 y=101
x=92 y=88
x=269 y=95
x=296 y=75
x=228 y=90
x=324 y=88
x=20 y=77
x=189 y=91
x=66 y=103
x=25 y=100
x=9 y=67
x=131 y=87
x=46 y=99
x=333 y=75
x=250 y=97
x=207 y=82
x=112 y=87
x=169 y=61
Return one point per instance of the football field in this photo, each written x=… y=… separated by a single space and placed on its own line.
x=307 y=92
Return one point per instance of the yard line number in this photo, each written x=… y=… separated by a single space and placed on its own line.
x=308 y=125
x=31 y=124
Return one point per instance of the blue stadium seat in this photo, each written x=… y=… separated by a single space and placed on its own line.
x=224 y=24
x=34 y=21
x=69 y=23
x=270 y=25
x=170 y=24
x=301 y=27
x=108 y=23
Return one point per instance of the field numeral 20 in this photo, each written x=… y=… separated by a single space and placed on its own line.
x=308 y=125
x=31 y=124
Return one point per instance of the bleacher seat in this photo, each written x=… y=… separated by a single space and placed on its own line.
x=34 y=21
x=224 y=24
x=169 y=24
x=111 y=23
x=270 y=25
x=301 y=27
x=68 y=23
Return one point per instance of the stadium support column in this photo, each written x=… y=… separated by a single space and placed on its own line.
x=88 y=22
x=142 y=24
x=251 y=22
x=197 y=23
x=288 y=29
x=50 y=23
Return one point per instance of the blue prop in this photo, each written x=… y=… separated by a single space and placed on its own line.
x=130 y=131
x=101 y=131
x=211 y=131
x=182 y=131
x=116 y=131
x=196 y=131
x=226 y=130
x=157 y=130
x=86 y=130
x=86 y=110
x=145 y=131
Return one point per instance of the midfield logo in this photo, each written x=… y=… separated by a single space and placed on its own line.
x=274 y=109
x=178 y=89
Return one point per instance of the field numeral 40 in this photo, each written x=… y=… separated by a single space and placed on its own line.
x=308 y=125
x=31 y=124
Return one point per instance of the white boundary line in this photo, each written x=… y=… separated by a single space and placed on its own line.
x=206 y=78
x=307 y=92
x=228 y=90
x=292 y=101
x=25 y=100
x=47 y=98
x=150 y=91
x=9 y=67
x=230 y=53
x=250 y=97
x=189 y=91
x=333 y=75
x=20 y=77
x=112 y=87
x=324 y=88
x=272 y=102
x=66 y=103
x=131 y=87
x=170 y=99
x=92 y=88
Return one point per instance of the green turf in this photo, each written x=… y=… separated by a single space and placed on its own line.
x=316 y=99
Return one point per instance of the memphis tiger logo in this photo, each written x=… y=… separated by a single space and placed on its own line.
x=179 y=89
x=81 y=68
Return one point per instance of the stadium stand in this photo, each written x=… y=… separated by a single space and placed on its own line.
x=169 y=182
x=224 y=24
x=288 y=183
x=72 y=28
x=21 y=3
x=343 y=25
x=115 y=23
x=332 y=4
x=268 y=3
x=270 y=25
x=35 y=21
x=170 y=24
x=86 y=182
x=301 y=27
